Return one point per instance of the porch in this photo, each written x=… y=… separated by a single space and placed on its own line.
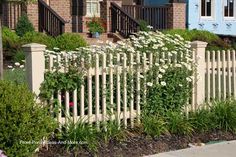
x=119 y=16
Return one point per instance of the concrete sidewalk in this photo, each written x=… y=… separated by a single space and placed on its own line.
x=223 y=149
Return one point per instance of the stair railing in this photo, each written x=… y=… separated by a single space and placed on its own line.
x=122 y=22
x=49 y=21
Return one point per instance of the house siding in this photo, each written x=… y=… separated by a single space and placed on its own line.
x=217 y=24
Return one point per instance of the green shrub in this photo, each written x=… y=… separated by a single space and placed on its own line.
x=17 y=75
x=19 y=56
x=70 y=41
x=162 y=97
x=177 y=123
x=154 y=125
x=224 y=115
x=111 y=131
x=144 y=26
x=24 y=25
x=11 y=42
x=21 y=120
x=41 y=38
x=214 y=41
x=84 y=134
x=201 y=120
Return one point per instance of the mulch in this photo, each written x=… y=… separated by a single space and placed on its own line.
x=136 y=145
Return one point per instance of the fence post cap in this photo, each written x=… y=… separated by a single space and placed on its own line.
x=34 y=47
x=199 y=44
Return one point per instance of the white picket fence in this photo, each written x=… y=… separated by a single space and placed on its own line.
x=90 y=103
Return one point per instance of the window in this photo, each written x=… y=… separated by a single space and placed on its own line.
x=206 y=8
x=93 y=8
x=229 y=8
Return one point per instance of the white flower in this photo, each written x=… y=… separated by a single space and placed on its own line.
x=159 y=76
x=163 y=83
x=156 y=64
x=10 y=67
x=22 y=66
x=188 y=79
x=162 y=70
x=17 y=64
x=149 y=84
x=56 y=48
x=150 y=27
x=141 y=76
x=165 y=67
x=180 y=85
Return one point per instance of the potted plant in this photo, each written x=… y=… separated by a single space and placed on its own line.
x=95 y=27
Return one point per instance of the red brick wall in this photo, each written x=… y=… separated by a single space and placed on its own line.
x=63 y=8
x=177 y=16
x=32 y=12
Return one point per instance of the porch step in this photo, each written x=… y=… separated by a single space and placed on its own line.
x=102 y=39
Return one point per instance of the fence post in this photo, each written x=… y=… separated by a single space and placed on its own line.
x=199 y=48
x=35 y=65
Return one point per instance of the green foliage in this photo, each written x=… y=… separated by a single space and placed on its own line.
x=83 y=134
x=214 y=41
x=111 y=131
x=221 y=115
x=70 y=41
x=177 y=123
x=144 y=26
x=17 y=75
x=24 y=25
x=162 y=97
x=224 y=115
x=201 y=120
x=95 y=25
x=154 y=125
x=19 y=57
x=40 y=38
x=21 y=120
x=11 y=42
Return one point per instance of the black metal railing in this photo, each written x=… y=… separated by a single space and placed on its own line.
x=154 y=16
x=49 y=21
x=122 y=22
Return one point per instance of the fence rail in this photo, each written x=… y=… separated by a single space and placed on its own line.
x=49 y=20
x=154 y=16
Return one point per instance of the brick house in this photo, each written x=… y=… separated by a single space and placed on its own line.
x=123 y=16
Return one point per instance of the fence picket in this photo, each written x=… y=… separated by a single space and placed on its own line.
x=229 y=65
x=89 y=78
x=82 y=95
x=118 y=99
x=111 y=71
x=104 y=91
x=224 y=76
x=233 y=73
x=132 y=90
x=213 y=75
x=125 y=89
x=67 y=103
x=138 y=88
x=75 y=105
x=218 y=73
x=208 y=76
x=97 y=89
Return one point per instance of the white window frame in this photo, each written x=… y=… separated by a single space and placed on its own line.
x=96 y=14
x=223 y=12
x=212 y=10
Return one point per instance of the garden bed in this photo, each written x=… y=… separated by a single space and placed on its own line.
x=137 y=145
